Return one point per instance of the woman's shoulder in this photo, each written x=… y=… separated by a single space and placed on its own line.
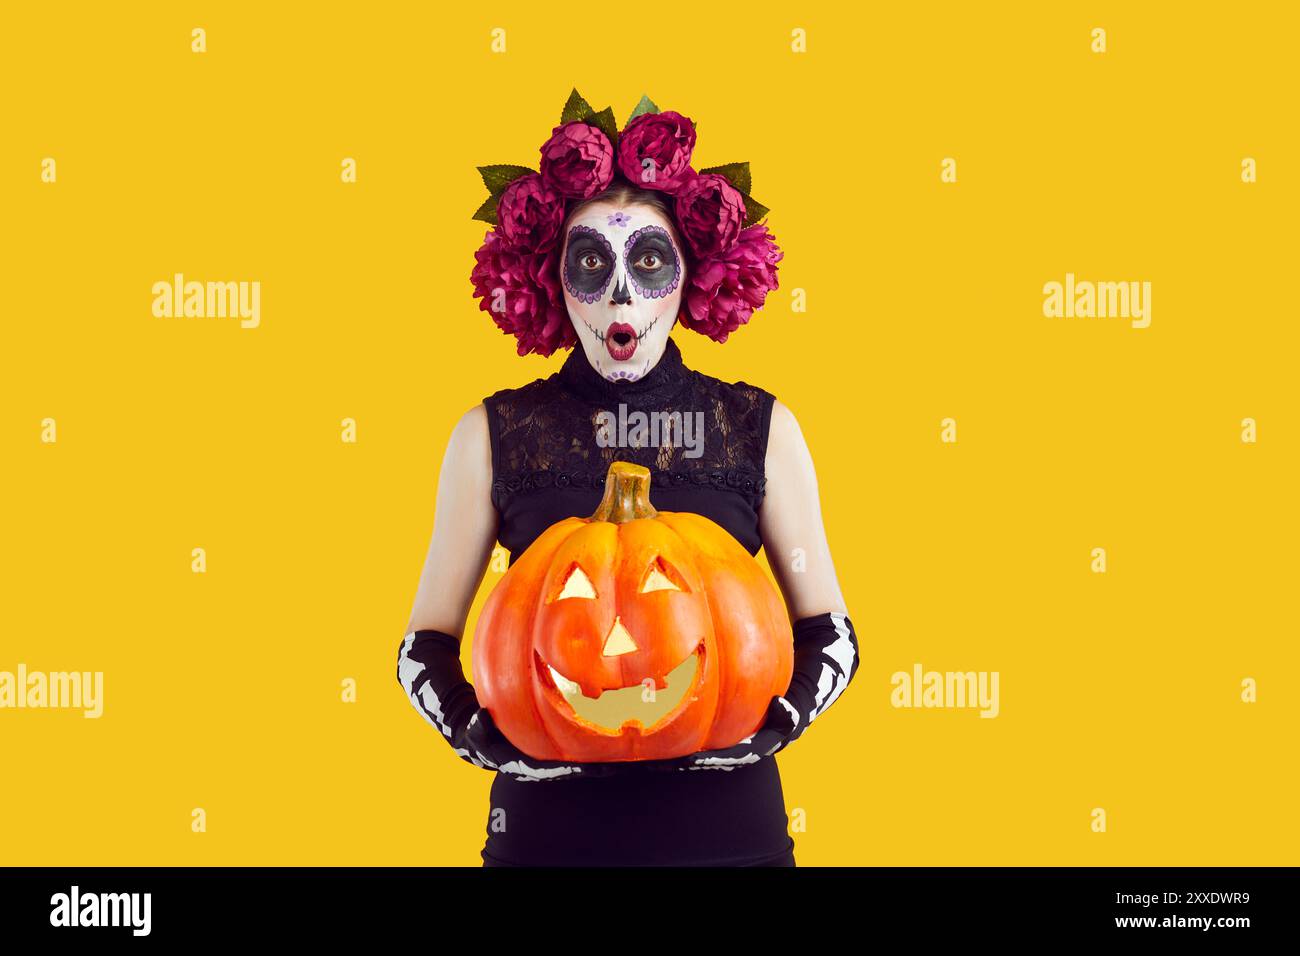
x=747 y=390
x=740 y=405
x=527 y=425
x=523 y=405
x=538 y=388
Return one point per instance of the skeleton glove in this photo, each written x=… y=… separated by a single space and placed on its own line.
x=825 y=660
x=429 y=670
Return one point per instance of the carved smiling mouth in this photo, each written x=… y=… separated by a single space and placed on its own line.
x=625 y=709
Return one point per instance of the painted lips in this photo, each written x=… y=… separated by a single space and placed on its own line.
x=620 y=340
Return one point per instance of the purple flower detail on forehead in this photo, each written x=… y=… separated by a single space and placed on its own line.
x=619 y=219
x=677 y=265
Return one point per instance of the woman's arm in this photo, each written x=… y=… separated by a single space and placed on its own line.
x=428 y=662
x=464 y=530
x=825 y=646
x=790 y=521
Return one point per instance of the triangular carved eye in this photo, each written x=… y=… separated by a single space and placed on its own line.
x=661 y=577
x=576 y=585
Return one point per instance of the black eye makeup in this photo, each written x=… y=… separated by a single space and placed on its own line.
x=588 y=264
x=652 y=264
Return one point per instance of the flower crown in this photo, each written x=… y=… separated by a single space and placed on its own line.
x=732 y=255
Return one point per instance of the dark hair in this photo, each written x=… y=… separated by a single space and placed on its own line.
x=627 y=193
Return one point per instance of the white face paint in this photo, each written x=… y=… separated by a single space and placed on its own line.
x=623 y=275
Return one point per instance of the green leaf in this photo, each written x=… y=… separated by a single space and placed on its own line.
x=604 y=121
x=753 y=212
x=488 y=211
x=576 y=108
x=497 y=178
x=735 y=173
x=644 y=105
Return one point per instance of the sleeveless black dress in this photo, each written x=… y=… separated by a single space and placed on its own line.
x=548 y=463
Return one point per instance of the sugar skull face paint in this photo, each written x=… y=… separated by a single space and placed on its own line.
x=588 y=264
x=622 y=277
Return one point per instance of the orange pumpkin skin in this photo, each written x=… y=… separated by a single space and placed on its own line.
x=717 y=605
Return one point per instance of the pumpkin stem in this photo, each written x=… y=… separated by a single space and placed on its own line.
x=627 y=494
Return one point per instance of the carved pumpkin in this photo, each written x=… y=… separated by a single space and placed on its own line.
x=634 y=634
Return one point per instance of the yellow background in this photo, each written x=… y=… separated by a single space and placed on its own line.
x=222 y=690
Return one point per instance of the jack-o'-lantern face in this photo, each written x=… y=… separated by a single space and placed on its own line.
x=626 y=642
x=631 y=635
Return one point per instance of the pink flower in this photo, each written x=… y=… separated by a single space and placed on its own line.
x=725 y=289
x=578 y=160
x=710 y=212
x=530 y=213
x=521 y=290
x=665 y=139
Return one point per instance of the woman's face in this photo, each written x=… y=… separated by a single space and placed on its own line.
x=623 y=274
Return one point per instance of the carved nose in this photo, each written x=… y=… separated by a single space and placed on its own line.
x=618 y=641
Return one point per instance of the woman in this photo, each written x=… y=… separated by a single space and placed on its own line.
x=610 y=246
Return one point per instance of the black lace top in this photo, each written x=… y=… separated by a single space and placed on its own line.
x=552 y=443
x=551 y=436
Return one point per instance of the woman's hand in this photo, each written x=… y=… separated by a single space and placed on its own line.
x=781 y=721
x=484 y=740
x=429 y=670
